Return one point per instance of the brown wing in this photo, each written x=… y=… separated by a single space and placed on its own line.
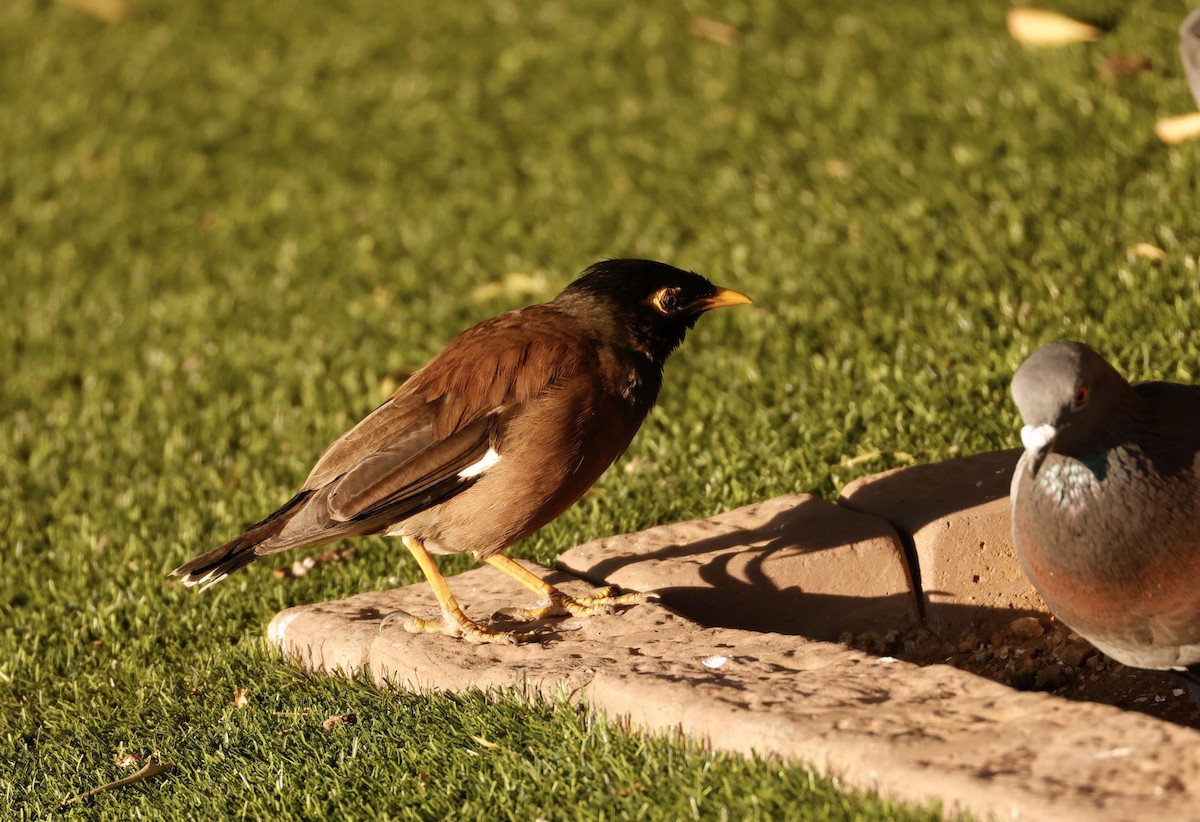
x=501 y=362
x=407 y=454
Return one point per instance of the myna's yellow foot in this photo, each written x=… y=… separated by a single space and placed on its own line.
x=604 y=598
x=454 y=621
x=603 y=601
x=458 y=625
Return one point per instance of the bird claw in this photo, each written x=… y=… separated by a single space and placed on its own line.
x=411 y=623
x=607 y=599
x=601 y=601
x=452 y=625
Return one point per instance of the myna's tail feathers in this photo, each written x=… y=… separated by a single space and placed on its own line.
x=212 y=567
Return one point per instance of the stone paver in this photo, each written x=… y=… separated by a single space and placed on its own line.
x=795 y=564
x=913 y=733
x=954 y=518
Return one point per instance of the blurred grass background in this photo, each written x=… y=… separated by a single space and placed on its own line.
x=226 y=229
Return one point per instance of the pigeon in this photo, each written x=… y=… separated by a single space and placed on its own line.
x=1106 y=506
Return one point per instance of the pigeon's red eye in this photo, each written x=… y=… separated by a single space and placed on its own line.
x=1081 y=396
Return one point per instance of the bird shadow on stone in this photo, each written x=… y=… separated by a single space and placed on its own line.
x=916 y=496
x=777 y=534
x=741 y=578
x=912 y=498
x=736 y=588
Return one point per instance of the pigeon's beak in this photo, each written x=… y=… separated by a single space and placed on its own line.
x=1037 y=440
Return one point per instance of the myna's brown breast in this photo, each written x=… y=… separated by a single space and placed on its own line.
x=549 y=451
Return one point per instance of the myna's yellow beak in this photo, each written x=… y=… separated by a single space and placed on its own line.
x=721 y=298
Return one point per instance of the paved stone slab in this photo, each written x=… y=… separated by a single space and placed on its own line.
x=909 y=732
x=954 y=518
x=795 y=564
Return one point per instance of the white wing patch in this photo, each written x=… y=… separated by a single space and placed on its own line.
x=489 y=459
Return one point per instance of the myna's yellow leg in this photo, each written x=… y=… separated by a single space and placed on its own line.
x=602 y=601
x=454 y=621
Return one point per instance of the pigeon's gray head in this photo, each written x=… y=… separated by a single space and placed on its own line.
x=1065 y=392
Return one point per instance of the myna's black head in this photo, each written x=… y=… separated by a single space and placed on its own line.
x=642 y=304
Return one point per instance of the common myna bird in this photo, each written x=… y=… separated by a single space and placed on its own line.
x=496 y=436
x=1106 y=506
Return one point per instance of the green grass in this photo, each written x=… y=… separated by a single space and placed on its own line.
x=223 y=225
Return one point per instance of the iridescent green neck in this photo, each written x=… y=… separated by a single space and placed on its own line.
x=1072 y=484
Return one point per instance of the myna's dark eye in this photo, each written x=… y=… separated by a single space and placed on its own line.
x=666 y=300
x=1081 y=396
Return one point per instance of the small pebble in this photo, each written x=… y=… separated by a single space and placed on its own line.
x=1026 y=628
x=969 y=643
x=1050 y=677
x=1075 y=653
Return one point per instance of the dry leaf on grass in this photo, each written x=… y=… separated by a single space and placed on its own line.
x=483 y=743
x=871 y=456
x=302 y=566
x=149 y=770
x=1175 y=130
x=1146 y=251
x=1123 y=65
x=714 y=31
x=513 y=284
x=837 y=169
x=110 y=11
x=240 y=699
x=635 y=464
x=339 y=719
x=1038 y=27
